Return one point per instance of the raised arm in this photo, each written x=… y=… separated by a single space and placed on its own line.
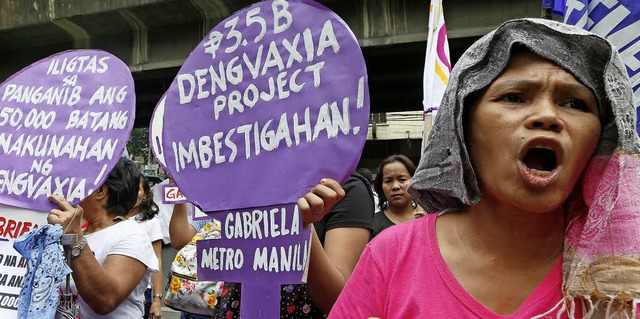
x=330 y=266
x=118 y=276
x=180 y=231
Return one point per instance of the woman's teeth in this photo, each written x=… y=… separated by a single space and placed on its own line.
x=539 y=172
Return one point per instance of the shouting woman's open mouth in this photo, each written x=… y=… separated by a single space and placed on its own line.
x=540 y=160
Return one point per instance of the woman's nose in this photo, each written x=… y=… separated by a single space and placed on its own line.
x=545 y=116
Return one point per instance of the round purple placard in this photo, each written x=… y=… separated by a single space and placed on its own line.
x=64 y=123
x=272 y=100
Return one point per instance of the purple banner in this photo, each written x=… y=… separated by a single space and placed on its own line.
x=64 y=122
x=273 y=99
x=261 y=249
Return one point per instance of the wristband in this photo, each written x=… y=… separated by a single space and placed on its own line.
x=157 y=296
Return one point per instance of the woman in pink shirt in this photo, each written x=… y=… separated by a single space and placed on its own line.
x=533 y=165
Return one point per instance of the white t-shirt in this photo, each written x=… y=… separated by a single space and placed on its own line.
x=164 y=210
x=153 y=229
x=125 y=238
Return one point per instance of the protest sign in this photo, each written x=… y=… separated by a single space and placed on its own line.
x=64 y=122
x=262 y=249
x=172 y=195
x=14 y=222
x=265 y=100
x=273 y=99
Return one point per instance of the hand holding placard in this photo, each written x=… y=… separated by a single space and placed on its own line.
x=271 y=101
x=319 y=201
x=64 y=122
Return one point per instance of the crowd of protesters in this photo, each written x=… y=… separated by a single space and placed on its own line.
x=518 y=163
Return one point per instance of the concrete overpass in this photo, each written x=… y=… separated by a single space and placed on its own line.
x=155 y=36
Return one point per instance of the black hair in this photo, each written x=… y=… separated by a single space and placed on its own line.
x=148 y=208
x=377 y=183
x=122 y=184
x=366 y=173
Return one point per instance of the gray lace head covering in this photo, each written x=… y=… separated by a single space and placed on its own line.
x=445 y=176
x=601 y=257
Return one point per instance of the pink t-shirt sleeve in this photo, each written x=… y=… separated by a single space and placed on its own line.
x=365 y=294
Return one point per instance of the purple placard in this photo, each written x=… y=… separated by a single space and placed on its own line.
x=64 y=122
x=272 y=100
x=262 y=249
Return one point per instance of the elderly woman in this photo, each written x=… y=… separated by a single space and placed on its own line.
x=113 y=259
x=533 y=165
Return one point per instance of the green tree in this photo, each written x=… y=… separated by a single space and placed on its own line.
x=138 y=144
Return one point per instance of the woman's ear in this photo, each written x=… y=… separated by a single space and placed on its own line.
x=102 y=192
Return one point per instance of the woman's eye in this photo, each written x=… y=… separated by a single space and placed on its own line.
x=576 y=104
x=512 y=98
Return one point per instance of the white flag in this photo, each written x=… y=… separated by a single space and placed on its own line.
x=437 y=66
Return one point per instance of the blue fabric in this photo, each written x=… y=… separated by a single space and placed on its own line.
x=198 y=224
x=46 y=268
x=557 y=6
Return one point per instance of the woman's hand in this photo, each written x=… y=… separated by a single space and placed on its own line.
x=69 y=217
x=319 y=201
x=156 y=309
